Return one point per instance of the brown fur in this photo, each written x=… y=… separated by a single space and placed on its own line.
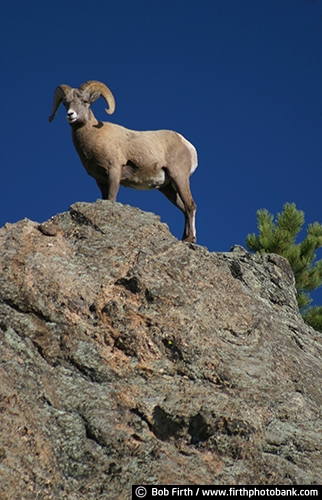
x=116 y=156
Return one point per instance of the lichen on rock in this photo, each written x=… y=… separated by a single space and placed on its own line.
x=128 y=357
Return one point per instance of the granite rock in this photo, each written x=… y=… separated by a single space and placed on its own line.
x=128 y=357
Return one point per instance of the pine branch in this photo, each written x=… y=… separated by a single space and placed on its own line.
x=280 y=237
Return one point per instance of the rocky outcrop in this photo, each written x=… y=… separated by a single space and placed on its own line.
x=129 y=357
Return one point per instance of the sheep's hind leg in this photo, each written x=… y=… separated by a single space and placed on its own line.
x=186 y=204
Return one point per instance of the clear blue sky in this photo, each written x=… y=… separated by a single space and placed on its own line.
x=240 y=79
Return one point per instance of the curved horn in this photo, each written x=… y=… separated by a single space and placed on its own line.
x=95 y=86
x=60 y=93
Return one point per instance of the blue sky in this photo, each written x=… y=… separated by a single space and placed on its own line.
x=240 y=79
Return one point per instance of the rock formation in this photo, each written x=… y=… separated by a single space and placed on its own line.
x=128 y=357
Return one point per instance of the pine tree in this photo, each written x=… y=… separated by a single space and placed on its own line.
x=280 y=237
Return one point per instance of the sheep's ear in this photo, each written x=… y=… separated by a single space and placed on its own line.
x=94 y=96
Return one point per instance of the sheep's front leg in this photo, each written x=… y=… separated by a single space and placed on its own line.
x=110 y=188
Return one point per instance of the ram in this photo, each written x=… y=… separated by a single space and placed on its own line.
x=115 y=155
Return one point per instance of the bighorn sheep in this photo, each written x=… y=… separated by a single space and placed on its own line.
x=115 y=156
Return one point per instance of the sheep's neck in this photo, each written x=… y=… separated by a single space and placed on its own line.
x=85 y=139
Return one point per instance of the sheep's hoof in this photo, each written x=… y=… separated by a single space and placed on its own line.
x=189 y=239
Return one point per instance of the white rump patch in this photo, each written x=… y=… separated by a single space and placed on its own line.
x=193 y=151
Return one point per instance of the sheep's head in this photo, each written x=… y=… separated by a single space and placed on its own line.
x=78 y=101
